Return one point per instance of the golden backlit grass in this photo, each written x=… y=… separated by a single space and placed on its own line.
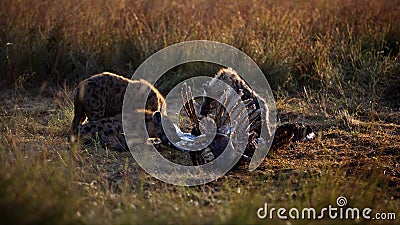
x=318 y=43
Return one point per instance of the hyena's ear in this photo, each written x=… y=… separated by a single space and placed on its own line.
x=240 y=92
x=157 y=117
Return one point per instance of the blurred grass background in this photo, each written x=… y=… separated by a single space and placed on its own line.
x=336 y=46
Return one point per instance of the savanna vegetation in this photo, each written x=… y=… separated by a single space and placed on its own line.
x=332 y=64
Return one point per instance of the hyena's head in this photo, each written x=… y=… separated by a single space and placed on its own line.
x=157 y=129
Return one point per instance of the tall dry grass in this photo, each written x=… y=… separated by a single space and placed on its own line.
x=321 y=44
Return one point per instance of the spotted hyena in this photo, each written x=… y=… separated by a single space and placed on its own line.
x=109 y=130
x=100 y=97
x=231 y=78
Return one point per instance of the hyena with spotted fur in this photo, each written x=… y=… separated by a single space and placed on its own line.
x=100 y=97
x=231 y=78
x=109 y=130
